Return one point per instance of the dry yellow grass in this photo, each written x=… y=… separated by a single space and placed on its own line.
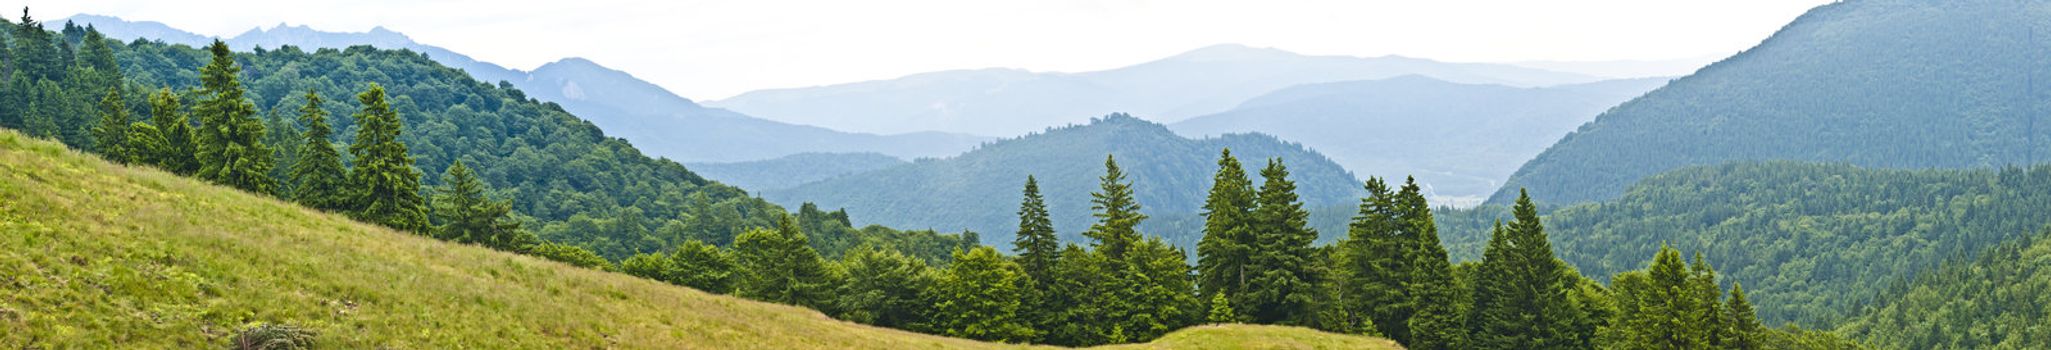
x=97 y=255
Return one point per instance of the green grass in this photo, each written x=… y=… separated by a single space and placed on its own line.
x=97 y=255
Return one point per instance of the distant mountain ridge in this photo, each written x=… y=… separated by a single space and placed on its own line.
x=1010 y=101
x=792 y=170
x=1460 y=140
x=980 y=190
x=653 y=119
x=1876 y=83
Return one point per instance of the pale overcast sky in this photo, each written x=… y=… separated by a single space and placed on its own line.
x=715 y=49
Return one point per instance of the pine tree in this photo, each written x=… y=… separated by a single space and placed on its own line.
x=318 y=179
x=978 y=298
x=1117 y=213
x=177 y=151
x=110 y=136
x=386 y=185
x=703 y=266
x=1285 y=279
x=780 y=266
x=1434 y=298
x=36 y=56
x=1157 y=292
x=231 y=149
x=45 y=106
x=1372 y=263
x=467 y=216
x=1745 y=327
x=1706 y=304
x=1227 y=241
x=1036 y=244
x=1080 y=296
x=283 y=139
x=1520 y=291
x=1221 y=310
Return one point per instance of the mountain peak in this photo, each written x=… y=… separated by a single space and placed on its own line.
x=1233 y=52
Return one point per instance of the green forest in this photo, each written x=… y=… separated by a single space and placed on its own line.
x=391 y=138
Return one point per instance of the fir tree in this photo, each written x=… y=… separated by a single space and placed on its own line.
x=1117 y=213
x=1036 y=244
x=1221 y=310
x=1745 y=327
x=978 y=298
x=1371 y=262
x=703 y=266
x=467 y=216
x=1520 y=291
x=231 y=149
x=110 y=136
x=177 y=151
x=318 y=179
x=283 y=140
x=1285 y=276
x=1434 y=298
x=386 y=185
x=781 y=267
x=1223 y=251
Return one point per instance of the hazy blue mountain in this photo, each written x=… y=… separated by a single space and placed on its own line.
x=980 y=190
x=1878 y=83
x=792 y=170
x=1461 y=140
x=653 y=119
x=1012 y=102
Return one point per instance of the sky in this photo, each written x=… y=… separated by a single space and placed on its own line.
x=715 y=49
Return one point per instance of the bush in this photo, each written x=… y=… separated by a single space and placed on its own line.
x=270 y=336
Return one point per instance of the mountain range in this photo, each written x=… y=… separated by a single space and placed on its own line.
x=657 y=121
x=1003 y=101
x=1460 y=140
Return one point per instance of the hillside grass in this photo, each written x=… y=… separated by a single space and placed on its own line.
x=98 y=255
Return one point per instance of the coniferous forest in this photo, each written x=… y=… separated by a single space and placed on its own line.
x=1747 y=255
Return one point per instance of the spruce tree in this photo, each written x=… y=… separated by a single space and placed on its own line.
x=385 y=184
x=703 y=266
x=1520 y=291
x=1745 y=327
x=177 y=152
x=1223 y=252
x=1117 y=213
x=978 y=298
x=1221 y=310
x=1435 y=320
x=1372 y=263
x=1036 y=244
x=231 y=149
x=110 y=136
x=36 y=56
x=318 y=179
x=1285 y=279
x=283 y=140
x=467 y=216
x=781 y=267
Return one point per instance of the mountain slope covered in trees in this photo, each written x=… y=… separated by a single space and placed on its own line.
x=108 y=256
x=655 y=120
x=1995 y=301
x=977 y=191
x=1008 y=102
x=1881 y=83
x=1460 y=140
x=1812 y=243
x=793 y=170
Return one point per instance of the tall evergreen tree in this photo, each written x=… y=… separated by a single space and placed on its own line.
x=177 y=152
x=1372 y=265
x=1036 y=244
x=1434 y=298
x=1117 y=213
x=704 y=266
x=386 y=185
x=780 y=266
x=1520 y=291
x=1157 y=293
x=1223 y=252
x=885 y=289
x=36 y=56
x=978 y=298
x=466 y=215
x=110 y=136
x=231 y=149
x=1283 y=286
x=1745 y=327
x=283 y=139
x=318 y=179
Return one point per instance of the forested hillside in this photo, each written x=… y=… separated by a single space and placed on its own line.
x=1879 y=83
x=1994 y=301
x=1461 y=140
x=973 y=191
x=793 y=170
x=1812 y=243
x=563 y=177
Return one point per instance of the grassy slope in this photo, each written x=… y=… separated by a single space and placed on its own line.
x=95 y=255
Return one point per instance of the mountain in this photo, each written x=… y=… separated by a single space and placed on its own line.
x=1461 y=140
x=1881 y=83
x=1627 y=68
x=793 y=170
x=1814 y=244
x=657 y=121
x=1007 y=102
x=980 y=190
x=108 y=256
